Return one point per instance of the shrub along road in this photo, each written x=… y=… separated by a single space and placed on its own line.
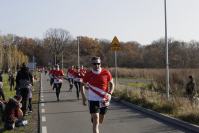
x=69 y=115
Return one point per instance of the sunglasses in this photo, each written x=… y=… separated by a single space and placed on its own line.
x=96 y=64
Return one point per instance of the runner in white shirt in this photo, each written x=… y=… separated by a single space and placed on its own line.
x=97 y=82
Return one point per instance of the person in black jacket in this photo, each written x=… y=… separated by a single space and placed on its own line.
x=24 y=80
x=11 y=80
x=191 y=88
x=1 y=86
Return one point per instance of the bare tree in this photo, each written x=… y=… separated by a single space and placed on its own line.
x=57 y=39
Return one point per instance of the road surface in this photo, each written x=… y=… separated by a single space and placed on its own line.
x=70 y=116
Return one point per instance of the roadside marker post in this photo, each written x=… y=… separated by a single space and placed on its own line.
x=115 y=46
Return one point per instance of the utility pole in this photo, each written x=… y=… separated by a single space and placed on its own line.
x=78 y=58
x=116 y=75
x=33 y=62
x=62 y=60
x=55 y=60
x=167 y=57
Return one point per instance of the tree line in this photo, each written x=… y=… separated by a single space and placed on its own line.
x=58 y=45
x=10 y=56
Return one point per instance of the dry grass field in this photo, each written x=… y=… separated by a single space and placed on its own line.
x=146 y=87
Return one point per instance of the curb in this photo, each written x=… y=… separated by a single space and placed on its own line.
x=39 y=126
x=171 y=120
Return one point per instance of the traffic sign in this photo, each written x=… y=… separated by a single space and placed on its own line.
x=115 y=45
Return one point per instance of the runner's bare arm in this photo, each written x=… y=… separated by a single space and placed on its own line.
x=82 y=90
x=111 y=89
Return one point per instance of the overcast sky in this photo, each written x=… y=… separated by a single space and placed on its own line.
x=129 y=20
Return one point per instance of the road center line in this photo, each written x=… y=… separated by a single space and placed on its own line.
x=43 y=119
x=42 y=110
x=44 y=129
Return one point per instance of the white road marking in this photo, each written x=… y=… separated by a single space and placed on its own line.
x=42 y=110
x=44 y=129
x=43 y=119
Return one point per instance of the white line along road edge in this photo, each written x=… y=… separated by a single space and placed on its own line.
x=43 y=118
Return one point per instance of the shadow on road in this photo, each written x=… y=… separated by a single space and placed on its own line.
x=53 y=91
x=61 y=101
x=68 y=112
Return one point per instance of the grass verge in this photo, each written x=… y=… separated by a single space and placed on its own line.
x=178 y=107
x=32 y=126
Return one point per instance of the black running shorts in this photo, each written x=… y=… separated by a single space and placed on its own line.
x=94 y=107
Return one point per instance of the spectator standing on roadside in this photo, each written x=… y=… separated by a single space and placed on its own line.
x=1 y=86
x=30 y=99
x=25 y=80
x=11 y=80
x=191 y=88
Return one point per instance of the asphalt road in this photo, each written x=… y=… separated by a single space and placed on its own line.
x=70 y=116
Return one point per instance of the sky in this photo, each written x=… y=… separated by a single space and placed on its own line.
x=129 y=20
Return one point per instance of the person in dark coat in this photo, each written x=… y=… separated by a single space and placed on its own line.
x=11 y=80
x=191 y=88
x=24 y=80
x=1 y=86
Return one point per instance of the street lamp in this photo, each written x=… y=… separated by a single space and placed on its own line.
x=62 y=60
x=166 y=43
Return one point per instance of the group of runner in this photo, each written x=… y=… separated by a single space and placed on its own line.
x=97 y=81
x=75 y=76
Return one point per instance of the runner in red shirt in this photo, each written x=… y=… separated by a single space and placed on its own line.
x=70 y=76
x=58 y=79
x=83 y=70
x=51 y=76
x=77 y=80
x=97 y=82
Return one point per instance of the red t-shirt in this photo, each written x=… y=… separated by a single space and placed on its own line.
x=70 y=73
x=100 y=80
x=51 y=72
x=58 y=76
x=58 y=73
x=83 y=71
